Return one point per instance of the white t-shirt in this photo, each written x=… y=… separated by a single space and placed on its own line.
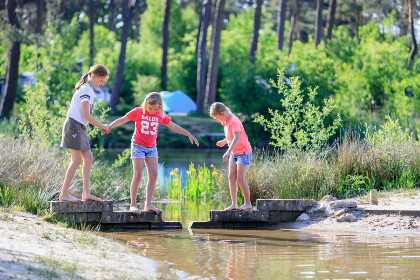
x=84 y=93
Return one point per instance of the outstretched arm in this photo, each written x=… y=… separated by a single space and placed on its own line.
x=118 y=122
x=180 y=130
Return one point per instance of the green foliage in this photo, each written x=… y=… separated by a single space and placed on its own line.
x=143 y=85
x=200 y=183
x=39 y=118
x=301 y=126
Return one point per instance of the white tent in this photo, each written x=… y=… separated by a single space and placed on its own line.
x=177 y=102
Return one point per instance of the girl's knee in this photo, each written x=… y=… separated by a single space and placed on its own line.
x=76 y=162
x=153 y=177
x=241 y=181
x=137 y=176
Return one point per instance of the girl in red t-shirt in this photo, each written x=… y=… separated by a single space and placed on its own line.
x=143 y=146
x=239 y=153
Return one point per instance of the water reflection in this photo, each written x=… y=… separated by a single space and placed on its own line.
x=278 y=254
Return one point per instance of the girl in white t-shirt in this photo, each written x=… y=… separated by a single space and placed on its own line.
x=74 y=135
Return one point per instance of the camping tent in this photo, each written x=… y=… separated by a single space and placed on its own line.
x=177 y=102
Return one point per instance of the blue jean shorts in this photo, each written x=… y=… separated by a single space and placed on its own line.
x=244 y=159
x=138 y=151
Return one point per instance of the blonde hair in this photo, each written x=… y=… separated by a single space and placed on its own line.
x=97 y=70
x=217 y=108
x=153 y=98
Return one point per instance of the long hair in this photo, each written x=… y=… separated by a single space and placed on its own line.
x=217 y=108
x=97 y=70
x=153 y=98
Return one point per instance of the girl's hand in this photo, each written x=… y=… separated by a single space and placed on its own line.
x=193 y=140
x=226 y=156
x=220 y=143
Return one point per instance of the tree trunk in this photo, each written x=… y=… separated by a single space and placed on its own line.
x=201 y=53
x=136 y=21
x=12 y=70
x=91 y=32
x=199 y=28
x=293 y=22
x=126 y=5
x=214 y=51
x=112 y=15
x=281 y=17
x=165 y=40
x=330 y=20
x=38 y=16
x=257 y=23
x=318 y=22
x=413 y=50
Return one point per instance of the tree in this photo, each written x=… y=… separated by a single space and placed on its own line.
x=165 y=40
x=38 y=24
x=214 y=51
x=413 y=50
x=330 y=19
x=12 y=70
x=91 y=32
x=318 y=22
x=126 y=5
x=294 y=22
x=281 y=16
x=138 y=9
x=201 y=54
x=255 y=33
x=112 y=14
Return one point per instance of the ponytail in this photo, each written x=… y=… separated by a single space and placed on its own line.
x=97 y=70
x=82 y=80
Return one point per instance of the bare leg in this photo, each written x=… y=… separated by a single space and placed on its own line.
x=152 y=171
x=138 y=164
x=242 y=169
x=87 y=170
x=232 y=185
x=76 y=160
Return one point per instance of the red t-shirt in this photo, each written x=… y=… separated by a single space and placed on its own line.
x=147 y=126
x=232 y=126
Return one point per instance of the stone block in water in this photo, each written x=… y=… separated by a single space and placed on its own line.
x=285 y=204
x=81 y=207
x=129 y=217
x=239 y=216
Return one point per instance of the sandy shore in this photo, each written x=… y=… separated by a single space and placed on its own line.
x=31 y=248
x=369 y=222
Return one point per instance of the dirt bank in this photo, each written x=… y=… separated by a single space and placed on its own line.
x=31 y=248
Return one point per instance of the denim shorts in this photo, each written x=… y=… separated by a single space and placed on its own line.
x=244 y=159
x=138 y=151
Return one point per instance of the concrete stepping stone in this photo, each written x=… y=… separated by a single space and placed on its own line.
x=269 y=212
x=101 y=213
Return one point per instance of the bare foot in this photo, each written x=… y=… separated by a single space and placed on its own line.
x=232 y=207
x=91 y=197
x=135 y=210
x=68 y=198
x=151 y=208
x=246 y=207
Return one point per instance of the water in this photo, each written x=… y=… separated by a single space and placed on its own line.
x=169 y=159
x=271 y=254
